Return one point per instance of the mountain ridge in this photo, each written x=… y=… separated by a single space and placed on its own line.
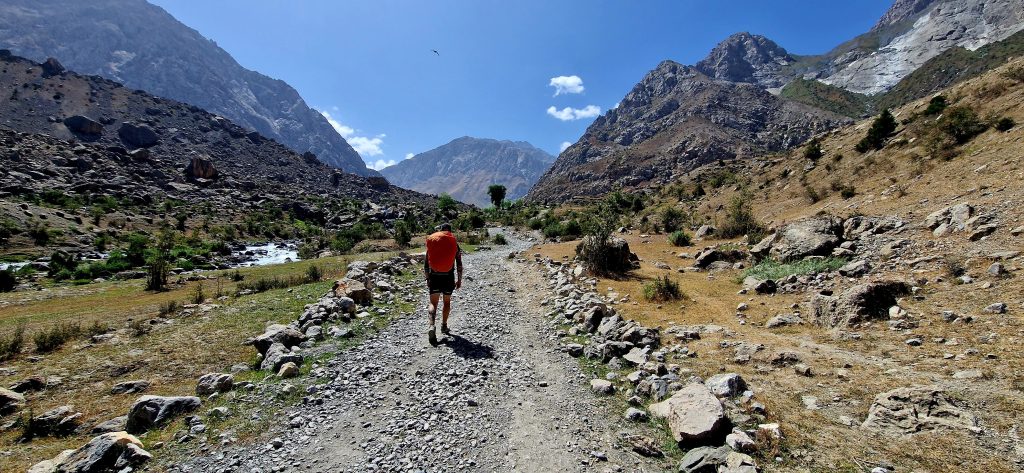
x=144 y=47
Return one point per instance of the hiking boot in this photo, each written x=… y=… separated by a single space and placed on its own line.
x=432 y=336
x=444 y=329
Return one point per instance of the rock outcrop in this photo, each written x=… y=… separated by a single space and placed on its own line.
x=911 y=410
x=153 y=411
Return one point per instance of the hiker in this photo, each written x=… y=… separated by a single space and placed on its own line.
x=444 y=258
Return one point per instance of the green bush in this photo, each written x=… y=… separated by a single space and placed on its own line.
x=446 y=204
x=314 y=273
x=198 y=294
x=739 y=220
x=497 y=194
x=936 y=105
x=961 y=123
x=11 y=345
x=553 y=230
x=881 y=129
x=156 y=274
x=54 y=338
x=39 y=232
x=679 y=238
x=1005 y=124
x=672 y=219
x=535 y=223
x=572 y=228
x=403 y=234
x=813 y=150
x=662 y=289
x=499 y=239
x=168 y=308
x=595 y=251
x=771 y=269
x=8 y=228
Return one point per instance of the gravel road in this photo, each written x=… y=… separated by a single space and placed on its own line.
x=496 y=395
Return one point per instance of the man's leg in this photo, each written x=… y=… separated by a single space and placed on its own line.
x=432 y=312
x=447 y=309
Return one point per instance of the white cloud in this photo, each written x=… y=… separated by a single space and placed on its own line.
x=409 y=155
x=367 y=146
x=380 y=164
x=364 y=145
x=567 y=85
x=565 y=145
x=569 y=113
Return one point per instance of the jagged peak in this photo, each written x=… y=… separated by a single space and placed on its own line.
x=902 y=10
x=745 y=57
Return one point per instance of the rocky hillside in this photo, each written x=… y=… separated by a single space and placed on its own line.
x=87 y=137
x=465 y=167
x=744 y=57
x=675 y=120
x=911 y=33
x=144 y=47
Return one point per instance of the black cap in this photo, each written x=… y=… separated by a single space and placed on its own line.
x=446 y=227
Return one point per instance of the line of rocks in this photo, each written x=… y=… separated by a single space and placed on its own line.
x=706 y=417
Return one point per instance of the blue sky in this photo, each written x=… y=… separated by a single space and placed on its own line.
x=369 y=65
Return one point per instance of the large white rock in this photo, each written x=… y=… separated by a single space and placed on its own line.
x=694 y=415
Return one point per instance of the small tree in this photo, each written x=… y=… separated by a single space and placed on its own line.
x=671 y=219
x=813 y=150
x=446 y=204
x=881 y=129
x=497 y=193
x=961 y=124
x=936 y=105
x=403 y=234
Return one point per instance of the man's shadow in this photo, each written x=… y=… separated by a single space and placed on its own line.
x=468 y=349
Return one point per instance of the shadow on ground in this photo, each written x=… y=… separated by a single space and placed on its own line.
x=468 y=349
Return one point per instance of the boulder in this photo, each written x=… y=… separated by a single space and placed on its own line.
x=704 y=460
x=726 y=384
x=855 y=268
x=916 y=409
x=10 y=401
x=766 y=286
x=615 y=253
x=214 y=383
x=277 y=333
x=30 y=384
x=711 y=255
x=602 y=386
x=116 y=424
x=858 y=303
x=56 y=422
x=763 y=248
x=346 y=305
x=352 y=289
x=152 y=411
x=137 y=135
x=278 y=355
x=288 y=370
x=115 y=451
x=52 y=67
x=130 y=387
x=814 y=236
x=83 y=125
x=200 y=168
x=704 y=231
x=694 y=414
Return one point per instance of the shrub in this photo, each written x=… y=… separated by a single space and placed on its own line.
x=572 y=228
x=595 y=251
x=138 y=327
x=96 y=329
x=499 y=239
x=1005 y=124
x=314 y=273
x=553 y=230
x=11 y=345
x=7 y=280
x=961 y=124
x=740 y=220
x=671 y=219
x=954 y=267
x=813 y=150
x=535 y=224
x=446 y=204
x=54 y=338
x=679 y=238
x=881 y=129
x=8 y=228
x=168 y=308
x=308 y=250
x=39 y=233
x=156 y=274
x=662 y=289
x=936 y=105
x=198 y=295
x=237 y=276
x=403 y=234
x=845 y=190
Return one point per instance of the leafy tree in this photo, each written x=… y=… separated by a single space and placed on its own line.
x=497 y=193
x=961 y=124
x=881 y=129
x=672 y=219
x=1005 y=124
x=446 y=204
x=403 y=234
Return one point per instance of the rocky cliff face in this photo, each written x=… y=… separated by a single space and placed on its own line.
x=673 y=121
x=142 y=46
x=89 y=136
x=911 y=33
x=465 y=167
x=744 y=57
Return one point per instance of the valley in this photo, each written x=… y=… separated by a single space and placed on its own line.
x=760 y=262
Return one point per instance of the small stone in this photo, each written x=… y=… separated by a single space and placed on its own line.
x=636 y=415
x=602 y=386
x=288 y=370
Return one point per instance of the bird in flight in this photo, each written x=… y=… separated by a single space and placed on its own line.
x=435 y=52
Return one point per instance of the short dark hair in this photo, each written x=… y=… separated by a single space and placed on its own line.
x=446 y=227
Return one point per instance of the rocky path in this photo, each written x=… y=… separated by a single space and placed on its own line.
x=496 y=395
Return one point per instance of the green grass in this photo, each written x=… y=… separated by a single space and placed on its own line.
x=771 y=269
x=827 y=97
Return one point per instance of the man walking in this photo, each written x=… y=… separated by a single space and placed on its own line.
x=444 y=259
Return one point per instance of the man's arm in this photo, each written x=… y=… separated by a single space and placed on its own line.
x=426 y=265
x=458 y=267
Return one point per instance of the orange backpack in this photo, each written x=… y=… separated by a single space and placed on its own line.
x=441 y=249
